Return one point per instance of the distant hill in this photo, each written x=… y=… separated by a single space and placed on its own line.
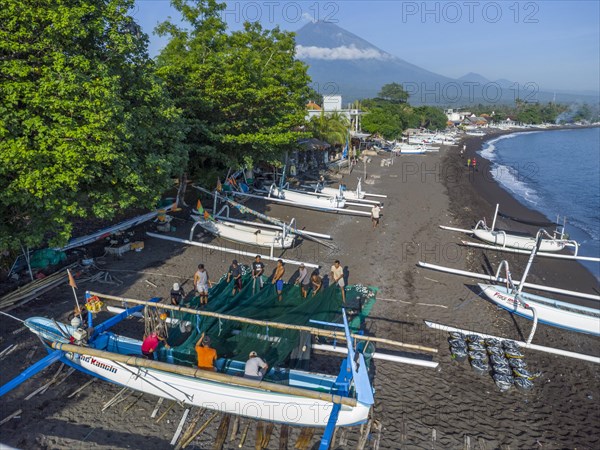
x=341 y=62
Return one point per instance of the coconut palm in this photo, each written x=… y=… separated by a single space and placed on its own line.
x=331 y=127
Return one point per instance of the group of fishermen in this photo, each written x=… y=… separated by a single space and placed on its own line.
x=255 y=367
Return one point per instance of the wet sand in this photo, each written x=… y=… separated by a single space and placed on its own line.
x=450 y=407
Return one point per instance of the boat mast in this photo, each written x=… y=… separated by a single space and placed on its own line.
x=538 y=242
x=495 y=216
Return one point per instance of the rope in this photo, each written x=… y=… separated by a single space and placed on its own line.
x=12 y=317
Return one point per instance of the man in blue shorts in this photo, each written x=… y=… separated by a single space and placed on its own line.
x=278 y=279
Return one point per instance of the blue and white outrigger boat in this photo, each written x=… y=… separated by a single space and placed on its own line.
x=300 y=398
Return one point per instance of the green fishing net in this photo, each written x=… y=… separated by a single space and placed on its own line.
x=235 y=340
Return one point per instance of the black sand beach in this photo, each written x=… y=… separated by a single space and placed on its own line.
x=450 y=407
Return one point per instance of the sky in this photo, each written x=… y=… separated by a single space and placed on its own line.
x=554 y=44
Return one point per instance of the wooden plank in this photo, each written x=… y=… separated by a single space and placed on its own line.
x=180 y=426
x=158 y=403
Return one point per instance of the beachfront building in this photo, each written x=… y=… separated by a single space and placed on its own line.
x=474 y=121
x=333 y=104
x=456 y=117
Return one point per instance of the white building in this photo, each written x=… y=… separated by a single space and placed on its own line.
x=333 y=103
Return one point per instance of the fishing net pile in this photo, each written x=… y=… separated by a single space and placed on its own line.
x=235 y=340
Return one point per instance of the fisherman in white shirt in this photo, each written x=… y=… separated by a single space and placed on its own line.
x=256 y=367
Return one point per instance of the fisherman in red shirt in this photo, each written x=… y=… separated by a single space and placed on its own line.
x=151 y=343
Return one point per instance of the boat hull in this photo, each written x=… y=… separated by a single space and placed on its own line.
x=313 y=201
x=239 y=400
x=548 y=311
x=214 y=395
x=520 y=242
x=246 y=234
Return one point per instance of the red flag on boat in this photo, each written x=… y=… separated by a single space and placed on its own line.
x=71 y=280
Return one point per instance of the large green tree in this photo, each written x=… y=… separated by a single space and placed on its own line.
x=85 y=128
x=243 y=93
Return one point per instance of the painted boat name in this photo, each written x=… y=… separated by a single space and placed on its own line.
x=97 y=363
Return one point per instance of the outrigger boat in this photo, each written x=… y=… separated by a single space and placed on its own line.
x=244 y=234
x=501 y=239
x=356 y=195
x=294 y=397
x=534 y=307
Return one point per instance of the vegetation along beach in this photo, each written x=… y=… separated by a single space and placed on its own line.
x=231 y=226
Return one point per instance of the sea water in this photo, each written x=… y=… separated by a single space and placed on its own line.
x=556 y=172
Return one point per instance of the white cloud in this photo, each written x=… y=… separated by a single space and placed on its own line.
x=344 y=52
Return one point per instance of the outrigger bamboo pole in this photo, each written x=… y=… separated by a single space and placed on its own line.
x=192 y=372
x=316 y=331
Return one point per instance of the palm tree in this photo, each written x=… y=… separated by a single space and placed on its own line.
x=331 y=128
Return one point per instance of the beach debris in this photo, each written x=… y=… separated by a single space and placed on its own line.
x=378 y=427
x=122 y=395
x=81 y=388
x=151 y=283
x=132 y=404
x=11 y=416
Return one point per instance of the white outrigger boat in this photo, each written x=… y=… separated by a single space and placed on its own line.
x=501 y=239
x=318 y=201
x=535 y=307
x=356 y=195
x=244 y=234
x=294 y=397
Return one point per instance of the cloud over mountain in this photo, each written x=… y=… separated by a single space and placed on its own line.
x=344 y=52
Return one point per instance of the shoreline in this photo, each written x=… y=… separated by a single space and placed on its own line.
x=571 y=275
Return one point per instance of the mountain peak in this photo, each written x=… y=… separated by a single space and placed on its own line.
x=327 y=35
x=473 y=77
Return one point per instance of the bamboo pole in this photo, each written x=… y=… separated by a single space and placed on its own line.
x=234 y=428
x=222 y=432
x=190 y=429
x=244 y=434
x=268 y=431
x=284 y=435
x=264 y=323
x=258 y=437
x=200 y=430
x=206 y=375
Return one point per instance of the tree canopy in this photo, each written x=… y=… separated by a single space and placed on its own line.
x=243 y=94
x=86 y=130
x=393 y=92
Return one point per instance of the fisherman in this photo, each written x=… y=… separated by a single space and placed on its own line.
x=278 y=279
x=303 y=280
x=469 y=163
x=235 y=273
x=151 y=343
x=375 y=214
x=258 y=268
x=177 y=295
x=207 y=356
x=474 y=163
x=337 y=276
x=201 y=283
x=316 y=282
x=256 y=367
